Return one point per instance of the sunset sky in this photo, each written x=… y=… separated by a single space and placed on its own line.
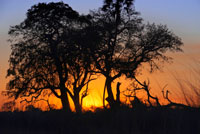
x=181 y=16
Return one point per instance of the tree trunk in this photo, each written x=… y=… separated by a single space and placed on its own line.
x=118 y=94
x=77 y=104
x=110 y=97
x=65 y=101
x=104 y=92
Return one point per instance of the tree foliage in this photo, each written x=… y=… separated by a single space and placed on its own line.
x=57 y=49
x=127 y=43
x=45 y=54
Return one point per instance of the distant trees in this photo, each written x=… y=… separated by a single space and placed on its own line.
x=56 y=49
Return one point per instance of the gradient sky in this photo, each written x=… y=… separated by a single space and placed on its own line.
x=181 y=16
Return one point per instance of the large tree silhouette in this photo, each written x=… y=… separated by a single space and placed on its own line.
x=46 y=56
x=127 y=43
x=56 y=49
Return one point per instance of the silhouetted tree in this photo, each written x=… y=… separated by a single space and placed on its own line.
x=45 y=55
x=127 y=43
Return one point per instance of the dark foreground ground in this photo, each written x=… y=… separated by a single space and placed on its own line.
x=121 y=121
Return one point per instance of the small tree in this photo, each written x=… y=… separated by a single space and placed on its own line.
x=127 y=43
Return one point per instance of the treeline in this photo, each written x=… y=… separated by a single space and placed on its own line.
x=55 y=50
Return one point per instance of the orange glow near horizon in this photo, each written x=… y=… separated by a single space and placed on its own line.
x=181 y=68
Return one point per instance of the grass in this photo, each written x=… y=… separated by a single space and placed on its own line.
x=190 y=86
x=121 y=121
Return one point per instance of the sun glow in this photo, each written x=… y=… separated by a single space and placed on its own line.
x=158 y=80
x=94 y=99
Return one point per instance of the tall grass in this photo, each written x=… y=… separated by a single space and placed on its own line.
x=189 y=84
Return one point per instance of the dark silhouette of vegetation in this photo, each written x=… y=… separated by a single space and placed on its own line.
x=58 y=50
x=122 y=121
x=127 y=43
x=152 y=101
x=45 y=55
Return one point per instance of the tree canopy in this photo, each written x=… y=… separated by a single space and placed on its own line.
x=57 y=49
x=127 y=43
x=44 y=53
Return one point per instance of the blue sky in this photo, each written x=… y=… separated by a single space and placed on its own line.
x=182 y=16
